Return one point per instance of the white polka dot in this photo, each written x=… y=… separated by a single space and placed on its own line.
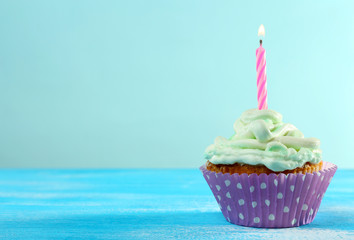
x=216 y=175
x=208 y=176
x=239 y=186
x=228 y=195
x=210 y=186
x=227 y=183
x=318 y=196
x=308 y=187
x=305 y=207
x=219 y=197
x=267 y=202
x=228 y=208
x=286 y=209
x=330 y=179
x=311 y=211
x=241 y=202
x=280 y=195
x=298 y=199
x=303 y=178
x=254 y=204
x=292 y=187
x=256 y=220
x=318 y=174
x=251 y=188
x=275 y=182
x=220 y=206
x=240 y=215
x=322 y=178
x=271 y=217
x=263 y=185
x=218 y=187
x=313 y=192
x=293 y=221
x=228 y=219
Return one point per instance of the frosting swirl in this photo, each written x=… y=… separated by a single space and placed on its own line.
x=262 y=138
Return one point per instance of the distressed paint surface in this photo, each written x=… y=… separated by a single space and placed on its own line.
x=144 y=204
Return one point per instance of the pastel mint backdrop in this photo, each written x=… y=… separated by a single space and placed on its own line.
x=152 y=83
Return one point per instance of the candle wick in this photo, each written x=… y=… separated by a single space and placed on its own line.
x=260 y=42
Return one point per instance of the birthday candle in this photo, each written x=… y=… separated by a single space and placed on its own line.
x=261 y=73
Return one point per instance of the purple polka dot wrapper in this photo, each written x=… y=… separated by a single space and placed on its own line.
x=270 y=200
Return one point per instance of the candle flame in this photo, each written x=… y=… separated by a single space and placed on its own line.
x=261 y=31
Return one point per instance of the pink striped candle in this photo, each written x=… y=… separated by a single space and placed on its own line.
x=261 y=73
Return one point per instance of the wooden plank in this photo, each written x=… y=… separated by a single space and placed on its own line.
x=144 y=204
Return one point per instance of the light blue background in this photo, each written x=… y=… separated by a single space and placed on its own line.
x=152 y=83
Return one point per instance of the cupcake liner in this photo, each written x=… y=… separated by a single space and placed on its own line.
x=271 y=201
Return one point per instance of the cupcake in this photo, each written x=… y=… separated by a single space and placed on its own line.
x=267 y=174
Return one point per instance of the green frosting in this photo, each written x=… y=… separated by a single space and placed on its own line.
x=262 y=138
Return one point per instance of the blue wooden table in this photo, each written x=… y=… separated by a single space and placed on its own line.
x=144 y=204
